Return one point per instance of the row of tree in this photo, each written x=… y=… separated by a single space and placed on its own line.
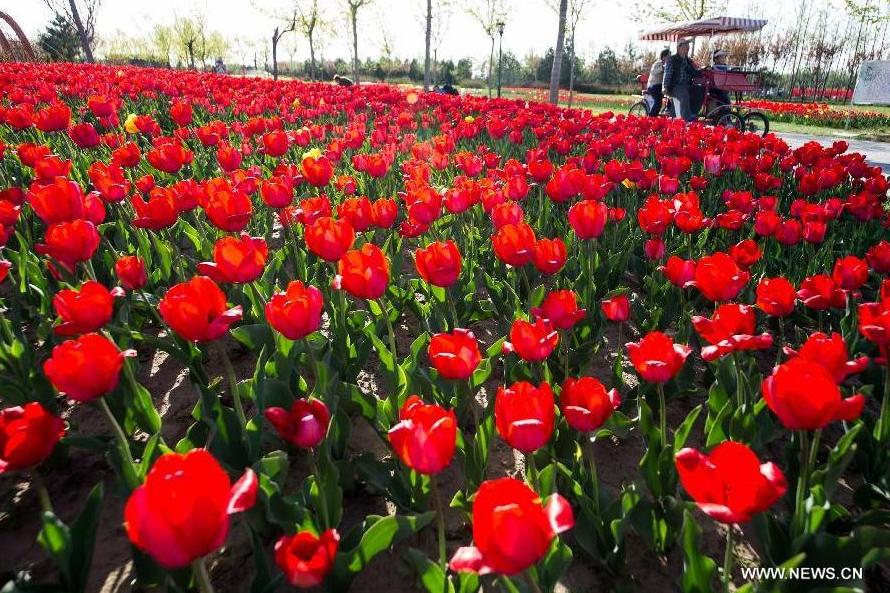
x=819 y=49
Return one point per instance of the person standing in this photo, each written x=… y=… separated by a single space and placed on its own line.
x=656 y=76
x=679 y=72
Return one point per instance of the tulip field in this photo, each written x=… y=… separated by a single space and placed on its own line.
x=258 y=336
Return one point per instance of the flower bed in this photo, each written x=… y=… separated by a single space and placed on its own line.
x=821 y=114
x=260 y=334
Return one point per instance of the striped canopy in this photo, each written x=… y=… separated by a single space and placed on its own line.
x=710 y=26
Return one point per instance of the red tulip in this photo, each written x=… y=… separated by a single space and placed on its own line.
x=830 y=352
x=513 y=244
x=678 y=271
x=588 y=219
x=227 y=208
x=85 y=368
x=277 y=192
x=384 y=212
x=197 y=310
x=850 y=272
x=236 y=259
x=304 y=425
x=549 y=255
x=616 y=308
x=62 y=200
x=5 y=266
x=524 y=416
x=654 y=248
x=295 y=313
x=730 y=484
x=439 y=263
x=305 y=558
x=776 y=296
x=169 y=156
x=805 y=396
x=70 y=243
x=729 y=329
x=84 y=310
x=275 y=143
x=586 y=404
x=454 y=355
x=878 y=257
x=560 y=308
x=512 y=528
x=719 y=278
x=425 y=437
x=329 y=239
x=181 y=512
x=656 y=357
x=745 y=253
x=358 y=212
x=28 y=435
x=874 y=322
x=532 y=342
x=819 y=292
x=506 y=213
x=363 y=273
x=318 y=172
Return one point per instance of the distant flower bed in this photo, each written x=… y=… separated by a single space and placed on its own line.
x=820 y=114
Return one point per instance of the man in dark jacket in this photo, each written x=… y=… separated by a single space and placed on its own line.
x=679 y=73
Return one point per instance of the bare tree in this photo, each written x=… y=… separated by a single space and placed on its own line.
x=556 y=69
x=286 y=21
x=427 y=43
x=353 y=6
x=490 y=14
x=190 y=37
x=310 y=20
x=82 y=17
x=676 y=10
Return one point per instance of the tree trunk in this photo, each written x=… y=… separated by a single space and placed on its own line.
x=81 y=32
x=275 y=38
x=556 y=70
x=355 y=46
x=490 y=65
x=311 y=58
x=429 y=33
x=190 y=46
x=572 y=67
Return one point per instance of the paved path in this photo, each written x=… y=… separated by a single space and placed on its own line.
x=876 y=153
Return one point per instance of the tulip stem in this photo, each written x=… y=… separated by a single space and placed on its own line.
x=233 y=383
x=319 y=483
x=884 y=418
x=531 y=470
x=394 y=391
x=42 y=493
x=594 y=475
x=440 y=525
x=202 y=577
x=780 y=349
x=662 y=416
x=807 y=461
x=122 y=441
x=528 y=289
x=455 y=321
x=531 y=582
x=728 y=556
x=619 y=354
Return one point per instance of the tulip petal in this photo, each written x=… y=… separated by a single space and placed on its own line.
x=469 y=559
x=243 y=494
x=559 y=513
x=851 y=408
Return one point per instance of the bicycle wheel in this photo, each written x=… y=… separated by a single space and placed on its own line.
x=756 y=122
x=639 y=109
x=729 y=120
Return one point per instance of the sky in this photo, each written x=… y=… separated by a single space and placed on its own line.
x=530 y=26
